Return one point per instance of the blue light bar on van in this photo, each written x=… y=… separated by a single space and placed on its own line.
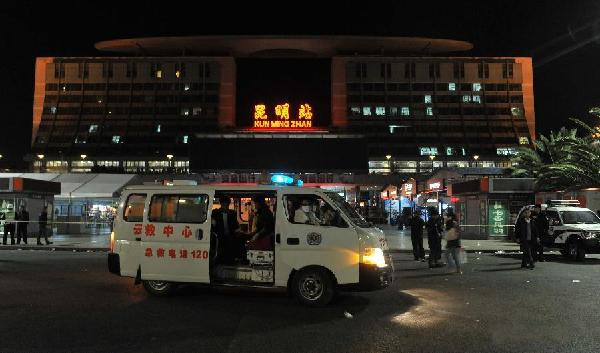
x=299 y=183
x=282 y=179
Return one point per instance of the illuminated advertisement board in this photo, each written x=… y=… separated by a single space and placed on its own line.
x=283 y=116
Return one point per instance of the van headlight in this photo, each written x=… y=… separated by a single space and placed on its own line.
x=374 y=256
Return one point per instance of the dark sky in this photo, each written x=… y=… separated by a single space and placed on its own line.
x=566 y=86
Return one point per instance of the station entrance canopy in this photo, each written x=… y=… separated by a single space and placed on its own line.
x=279 y=152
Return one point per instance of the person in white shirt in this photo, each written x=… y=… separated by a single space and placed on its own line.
x=305 y=214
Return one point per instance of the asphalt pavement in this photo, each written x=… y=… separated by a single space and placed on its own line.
x=68 y=302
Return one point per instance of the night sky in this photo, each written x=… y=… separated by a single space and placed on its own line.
x=558 y=34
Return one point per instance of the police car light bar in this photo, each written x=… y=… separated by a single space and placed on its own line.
x=280 y=179
x=564 y=203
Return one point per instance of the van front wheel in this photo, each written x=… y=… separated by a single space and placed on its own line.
x=313 y=286
x=159 y=288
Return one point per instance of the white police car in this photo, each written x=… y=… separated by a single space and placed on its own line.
x=572 y=229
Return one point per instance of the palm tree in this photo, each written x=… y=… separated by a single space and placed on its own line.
x=562 y=161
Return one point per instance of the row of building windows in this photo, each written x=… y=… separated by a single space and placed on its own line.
x=460 y=151
x=184 y=86
x=85 y=166
x=102 y=99
x=429 y=99
x=131 y=70
x=458 y=70
x=186 y=111
x=397 y=111
x=114 y=139
x=385 y=167
x=424 y=86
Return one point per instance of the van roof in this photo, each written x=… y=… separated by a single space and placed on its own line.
x=216 y=188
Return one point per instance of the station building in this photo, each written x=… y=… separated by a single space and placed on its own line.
x=231 y=107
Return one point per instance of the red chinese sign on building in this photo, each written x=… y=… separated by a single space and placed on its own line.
x=281 y=117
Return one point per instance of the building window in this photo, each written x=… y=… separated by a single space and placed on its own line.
x=355 y=111
x=196 y=111
x=429 y=111
x=107 y=70
x=116 y=139
x=393 y=111
x=453 y=151
x=380 y=111
x=93 y=129
x=405 y=111
x=157 y=70
x=516 y=111
x=434 y=70
x=428 y=99
x=53 y=110
x=185 y=111
x=451 y=86
x=428 y=151
x=476 y=87
x=507 y=70
x=483 y=70
x=185 y=139
x=186 y=87
x=466 y=99
x=79 y=140
x=366 y=111
x=459 y=70
x=505 y=151
x=131 y=70
x=361 y=70
x=385 y=70
x=477 y=99
x=158 y=127
x=410 y=70
x=83 y=71
x=523 y=140
x=180 y=70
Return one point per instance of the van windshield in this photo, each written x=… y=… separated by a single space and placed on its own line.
x=579 y=217
x=350 y=212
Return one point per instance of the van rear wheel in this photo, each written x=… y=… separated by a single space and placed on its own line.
x=159 y=288
x=313 y=286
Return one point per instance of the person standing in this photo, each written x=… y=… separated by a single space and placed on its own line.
x=526 y=232
x=226 y=226
x=543 y=225
x=453 y=241
x=43 y=222
x=434 y=237
x=23 y=218
x=416 y=236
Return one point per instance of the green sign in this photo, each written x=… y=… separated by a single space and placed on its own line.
x=497 y=218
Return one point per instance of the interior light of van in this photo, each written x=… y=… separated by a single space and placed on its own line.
x=374 y=256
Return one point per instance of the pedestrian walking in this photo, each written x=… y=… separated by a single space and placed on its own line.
x=526 y=232
x=543 y=225
x=453 y=248
x=43 y=232
x=435 y=227
x=416 y=236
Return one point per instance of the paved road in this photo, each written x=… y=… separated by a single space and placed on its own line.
x=59 y=301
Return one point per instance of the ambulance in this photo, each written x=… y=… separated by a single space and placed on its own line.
x=169 y=235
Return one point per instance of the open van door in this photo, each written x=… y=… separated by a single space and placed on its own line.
x=175 y=237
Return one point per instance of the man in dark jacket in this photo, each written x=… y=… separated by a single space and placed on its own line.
x=225 y=225
x=43 y=222
x=416 y=236
x=435 y=228
x=23 y=217
x=527 y=234
x=542 y=224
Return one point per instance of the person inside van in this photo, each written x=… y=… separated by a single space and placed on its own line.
x=304 y=214
x=225 y=225
x=328 y=216
x=261 y=238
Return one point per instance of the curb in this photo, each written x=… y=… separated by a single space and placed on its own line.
x=52 y=248
x=470 y=251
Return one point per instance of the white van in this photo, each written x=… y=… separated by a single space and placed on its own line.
x=165 y=235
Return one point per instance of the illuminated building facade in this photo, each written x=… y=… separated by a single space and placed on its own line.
x=264 y=103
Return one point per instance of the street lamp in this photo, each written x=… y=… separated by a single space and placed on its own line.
x=40 y=156
x=476 y=157
x=169 y=157
x=432 y=157
x=83 y=156
x=388 y=157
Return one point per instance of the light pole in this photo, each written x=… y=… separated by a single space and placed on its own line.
x=41 y=160
x=169 y=157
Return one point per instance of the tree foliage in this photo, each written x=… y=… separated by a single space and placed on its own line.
x=562 y=160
